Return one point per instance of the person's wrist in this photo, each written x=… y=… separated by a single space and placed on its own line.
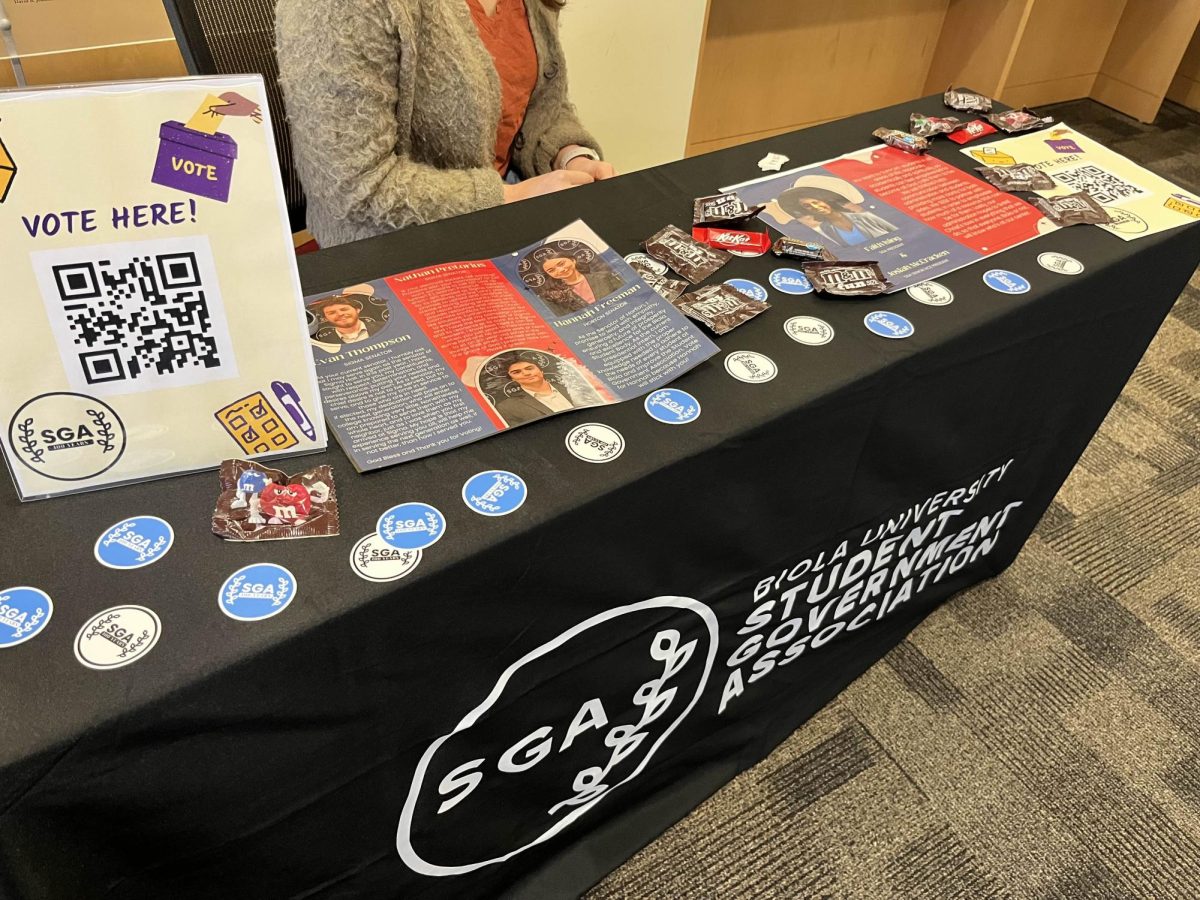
x=572 y=152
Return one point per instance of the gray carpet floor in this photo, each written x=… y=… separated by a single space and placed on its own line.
x=1039 y=734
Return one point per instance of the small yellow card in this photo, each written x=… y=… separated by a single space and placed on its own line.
x=204 y=119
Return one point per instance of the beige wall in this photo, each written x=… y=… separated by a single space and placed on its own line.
x=633 y=67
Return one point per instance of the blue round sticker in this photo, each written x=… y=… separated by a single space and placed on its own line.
x=257 y=592
x=24 y=612
x=751 y=289
x=134 y=543
x=888 y=324
x=1005 y=282
x=674 y=407
x=495 y=493
x=791 y=281
x=411 y=526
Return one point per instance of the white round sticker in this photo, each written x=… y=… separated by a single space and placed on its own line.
x=1060 y=263
x=808 y=330
x=750 y=367
x=116 y=637
x=931 y=293
x=595 y=443
x=374 y=560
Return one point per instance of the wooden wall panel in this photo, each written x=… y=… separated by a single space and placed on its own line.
x=160 y=59
x=976 y=44
x=1185 y=88
x=1145 y=54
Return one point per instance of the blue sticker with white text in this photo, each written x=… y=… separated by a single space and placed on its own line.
x=672 y=406
x=24 y=612
x=134 y=543
x=257 y=592
x=411 y=526
x=1005 y=282
x=888 y=324
x=791 y=281
x=495 y=492
x=751 y=289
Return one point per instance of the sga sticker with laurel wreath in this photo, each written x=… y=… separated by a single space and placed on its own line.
x=117 y=637
x=411 y=526
x=257 y=592
x=24 y=612
x=66 y=436
x=373 y=560
x=134 y=543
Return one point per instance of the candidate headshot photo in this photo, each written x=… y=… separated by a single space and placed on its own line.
x=526 y=385
x=831 y=207
x=346 y=318
x=568 y=275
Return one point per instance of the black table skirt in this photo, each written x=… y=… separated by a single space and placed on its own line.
x=275 y=759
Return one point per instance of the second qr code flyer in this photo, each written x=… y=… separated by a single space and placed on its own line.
x=145 y=239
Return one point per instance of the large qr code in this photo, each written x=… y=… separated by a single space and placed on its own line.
x=136 y=317
x=1103 y=185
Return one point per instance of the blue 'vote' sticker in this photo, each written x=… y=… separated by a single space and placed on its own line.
x=672 y=406
x=888 y=324
x=257 y=592
x=495 y=492
x=1005 y=282
x=791 y=281
x=411 y=526
x=751 y=289
x=134 y=543
x=24 y=612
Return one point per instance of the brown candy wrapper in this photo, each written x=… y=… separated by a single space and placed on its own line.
x=1019 y=177
x=690 y=258
x=261 y=504
x=670 y=288
x=847 y=279
x=927 y=126
x=1072 y=209
x=901 y=140
x=794 y=249
x=720 y=307
x=1019 y=120
x=966 y=100
x=722 y=209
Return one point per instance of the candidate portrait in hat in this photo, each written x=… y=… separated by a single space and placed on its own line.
x=831 y=207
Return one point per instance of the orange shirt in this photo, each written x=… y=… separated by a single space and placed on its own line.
x=506 y=35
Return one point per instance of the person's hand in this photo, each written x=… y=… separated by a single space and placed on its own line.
x=237 y=105
x=545 y=184
x=597 y=168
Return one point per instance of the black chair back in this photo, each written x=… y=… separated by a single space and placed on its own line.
x=233 y=37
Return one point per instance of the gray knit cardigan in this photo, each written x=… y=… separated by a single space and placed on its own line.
x=394 y=106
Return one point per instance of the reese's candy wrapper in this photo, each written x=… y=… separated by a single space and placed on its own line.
x=901 y=140
x=971 y=131
x=966 y=100
x=739 y=243
x=1019 y=177
x=1073 y=209
x=847 y=279
x=1019 y=120
x=670 y=288
x=722 y=209
x=796 y=249
x=720 y=307
x=261 y=504
x=927 y=126
x=690 y=258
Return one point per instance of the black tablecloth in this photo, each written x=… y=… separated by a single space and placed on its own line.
x=277 y=758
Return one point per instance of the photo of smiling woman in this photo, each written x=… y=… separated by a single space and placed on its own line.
x=568 y=275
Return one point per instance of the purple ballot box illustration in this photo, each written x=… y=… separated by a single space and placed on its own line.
x=194 y=162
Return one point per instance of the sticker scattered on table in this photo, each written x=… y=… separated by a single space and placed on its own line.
x=495 y=492
x=751 y=289
x=374 y=560
x=888 y=324
x=595 y=443
x=672 y=406
x=808 y=330
x=1060 y=263
x=750 y=367
x=411 y=526
x=134 y=543
x=67 y=436
x=931 y=293
x=257 y=591
x=117 y=637
x=1005 y=282
x=791 y=281
x=772 y=162
x=24 y=612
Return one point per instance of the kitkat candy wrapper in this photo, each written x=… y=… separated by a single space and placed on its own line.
x=966 y=100
x=791 y=248
x=261 y=504
x=690 y=258
x=1019 y=177
x=722 y=209
x=1073 y=209
x=1015 y=120
x=927 y=126
x=972 y=130
x=901 y=140
x=739 y=243
x=720 y=307
x=847 y=279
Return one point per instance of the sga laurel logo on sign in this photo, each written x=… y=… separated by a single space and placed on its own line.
x=66 y=436
x=526 y=762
